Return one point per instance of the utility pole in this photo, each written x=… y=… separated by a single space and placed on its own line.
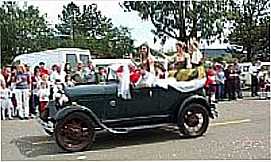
x=1 y=46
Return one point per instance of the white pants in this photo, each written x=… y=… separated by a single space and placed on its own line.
x=6 y=105
x=22 y=98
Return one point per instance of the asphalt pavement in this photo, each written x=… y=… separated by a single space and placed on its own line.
x=241 y=132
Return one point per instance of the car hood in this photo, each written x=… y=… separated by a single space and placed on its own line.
x=93 y=89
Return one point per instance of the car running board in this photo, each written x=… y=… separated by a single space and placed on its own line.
x=129 y=129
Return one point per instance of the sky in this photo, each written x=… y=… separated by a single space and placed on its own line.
x=140 y=29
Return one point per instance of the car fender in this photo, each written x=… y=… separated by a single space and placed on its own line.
x=61 y=114
x=79 y=108
x=196 y=99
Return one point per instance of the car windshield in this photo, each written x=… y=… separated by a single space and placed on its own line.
x=112 y=75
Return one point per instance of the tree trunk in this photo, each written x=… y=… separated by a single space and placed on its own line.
x=249 y=54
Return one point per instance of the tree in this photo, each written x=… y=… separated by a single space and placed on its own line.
x=22 y=30
x=251 y=19
x=121 y=42
x=69 y=20
x=181 y=20
x=88 y=28
x=86 y=23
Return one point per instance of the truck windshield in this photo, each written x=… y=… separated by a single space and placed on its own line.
x=71 y=58
x=84 y=59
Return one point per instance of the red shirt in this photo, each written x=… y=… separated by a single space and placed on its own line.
x=210 y=77
x=134 y=76
x=44 y=71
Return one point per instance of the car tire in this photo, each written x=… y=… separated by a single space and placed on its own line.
x=75 y=132
x=188 y=119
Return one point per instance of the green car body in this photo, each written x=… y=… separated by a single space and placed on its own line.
x=149 y=107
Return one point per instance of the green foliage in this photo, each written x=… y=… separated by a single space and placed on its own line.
x=251 y=27
x=88 y=28
x=25 y=30
x=22 y=30
x=181 y=20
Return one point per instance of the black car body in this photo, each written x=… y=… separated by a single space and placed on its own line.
x=94 y=107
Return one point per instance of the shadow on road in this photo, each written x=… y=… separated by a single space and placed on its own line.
x=33 y=146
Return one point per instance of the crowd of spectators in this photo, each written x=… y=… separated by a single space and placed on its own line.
x=224 y=81
x=25 y=93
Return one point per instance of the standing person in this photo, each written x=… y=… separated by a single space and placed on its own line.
x=220 y=78
x=29 y=77
x=67 y=68
x=226 y=82
x=195 y=54
x=12 y=87
x=22 y=92
x=2 y=78
x=262 y=82
x=197 y=58
x=35 y=80
x=43 y=94
x=231 y=83
x=102 y=74
x=78 y=75
x=237 y=78
x=211 y=84
x=43 y=69
x=89 y=74
x=54 y=74
x=5 y=99
x=253 y=70
x=7 y=75
x=147 y=59
x=59 y=79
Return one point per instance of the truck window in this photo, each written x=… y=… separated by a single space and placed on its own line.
x=84 y=59
x=266 y=67
x=71 y=58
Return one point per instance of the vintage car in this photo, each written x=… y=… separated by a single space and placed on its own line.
x=94 y=107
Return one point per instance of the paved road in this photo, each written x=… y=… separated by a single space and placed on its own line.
x=242 y=131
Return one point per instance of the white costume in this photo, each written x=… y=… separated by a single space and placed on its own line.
x=5 y=102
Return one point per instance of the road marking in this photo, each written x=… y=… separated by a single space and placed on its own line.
x=231 y=122
x=81 y=157
x=43 y=142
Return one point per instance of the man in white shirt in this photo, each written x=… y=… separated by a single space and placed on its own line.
x=253 y=70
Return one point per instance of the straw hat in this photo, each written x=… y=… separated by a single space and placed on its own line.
x=180 y=43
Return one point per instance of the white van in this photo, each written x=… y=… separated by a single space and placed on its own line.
x=245 y=75
x=59 y=56
x=107 y=62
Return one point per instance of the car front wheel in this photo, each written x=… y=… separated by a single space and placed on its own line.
x=193 y=120
x=75 y=132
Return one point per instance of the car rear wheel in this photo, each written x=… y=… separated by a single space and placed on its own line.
x=75 y=132
x=193 y=120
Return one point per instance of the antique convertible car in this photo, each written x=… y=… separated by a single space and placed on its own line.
x=89 y=108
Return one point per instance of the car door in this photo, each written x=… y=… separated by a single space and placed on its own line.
x=144 y=101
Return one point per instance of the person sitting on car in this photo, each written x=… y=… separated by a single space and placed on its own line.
x=147 y=59
x=182 y=64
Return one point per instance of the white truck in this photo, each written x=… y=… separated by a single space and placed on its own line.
x=59 y=56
